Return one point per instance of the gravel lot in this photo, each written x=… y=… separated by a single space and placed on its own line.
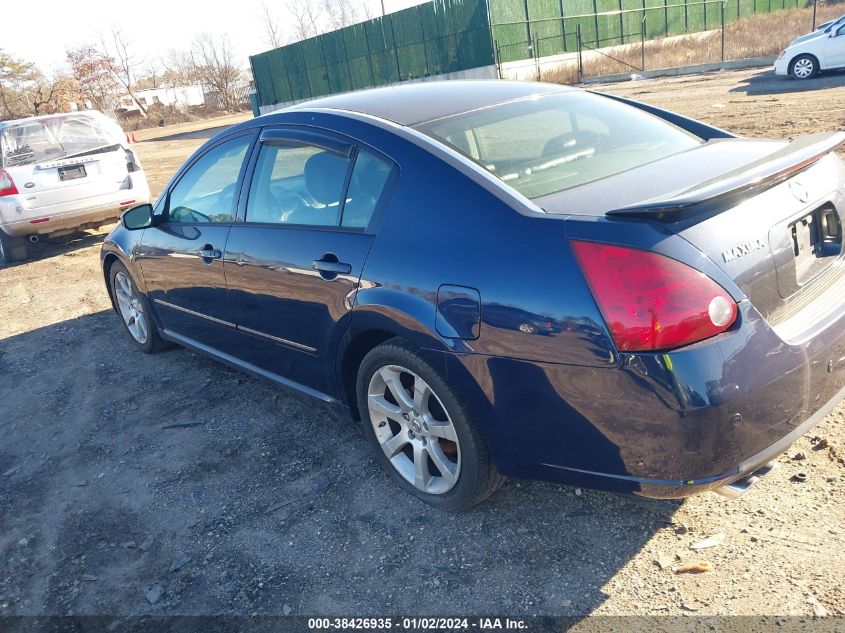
x=169 y=484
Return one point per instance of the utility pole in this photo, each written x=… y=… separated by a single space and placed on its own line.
x=382 y=9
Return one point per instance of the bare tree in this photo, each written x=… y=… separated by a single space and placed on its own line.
x=124 y=62
x=216 y=67
x=92 y=71
x=179 y=69
x=341 y=13
x=26 y=91
x=150 y=76
x=39 y=94
x=15 y=75
x=272 y=31
x=307 y=18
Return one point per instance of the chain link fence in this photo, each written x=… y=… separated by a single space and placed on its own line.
x=669 y=35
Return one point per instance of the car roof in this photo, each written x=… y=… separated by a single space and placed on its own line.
x=414 y=103
x=44 y=117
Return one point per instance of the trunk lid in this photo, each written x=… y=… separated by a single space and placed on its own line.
x=769 y=213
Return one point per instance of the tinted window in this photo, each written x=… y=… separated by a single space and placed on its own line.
x=206 y=192
x=548 y=144
x=366 y=186
x=297 y=184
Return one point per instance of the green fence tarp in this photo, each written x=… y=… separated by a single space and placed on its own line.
x=438 y=37
x=445 y=36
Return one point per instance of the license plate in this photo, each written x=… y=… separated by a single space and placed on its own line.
x=72 y=172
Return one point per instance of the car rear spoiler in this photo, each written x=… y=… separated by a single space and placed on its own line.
x=731 y=188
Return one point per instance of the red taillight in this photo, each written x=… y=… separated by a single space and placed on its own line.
x=7 y=185
x=651 y=302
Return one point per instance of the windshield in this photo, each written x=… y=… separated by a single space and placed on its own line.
x=547 y=144
x=37 y=140
x=827 y=26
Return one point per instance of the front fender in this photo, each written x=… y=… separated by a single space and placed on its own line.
x=122 y=245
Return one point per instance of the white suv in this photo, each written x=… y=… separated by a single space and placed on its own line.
x=61 y=173
x=824 y=49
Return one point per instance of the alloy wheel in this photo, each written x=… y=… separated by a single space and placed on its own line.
x=131 y=308
x=414 y=429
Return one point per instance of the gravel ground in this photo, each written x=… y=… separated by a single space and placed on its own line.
x=169 y=484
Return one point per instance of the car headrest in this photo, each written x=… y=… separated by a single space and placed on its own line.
x=324 y=176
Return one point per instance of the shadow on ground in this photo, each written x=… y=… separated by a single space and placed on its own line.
x=185 y=136
x=170 y=484
x=766 y=83
x=52 y=247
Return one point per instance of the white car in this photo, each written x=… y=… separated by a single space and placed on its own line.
x=824 y=49
x=61 y=173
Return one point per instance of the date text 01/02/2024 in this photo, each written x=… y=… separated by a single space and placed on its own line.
x=417 y=623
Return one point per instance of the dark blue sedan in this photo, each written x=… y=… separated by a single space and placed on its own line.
x=510 y=279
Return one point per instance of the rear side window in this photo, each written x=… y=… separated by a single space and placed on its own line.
x=297 y=184
x=300 y=184
x=366 y=188
x=206 y=192
x=543 y=145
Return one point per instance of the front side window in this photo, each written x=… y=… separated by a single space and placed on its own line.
x=206 y=192
x=547 y=144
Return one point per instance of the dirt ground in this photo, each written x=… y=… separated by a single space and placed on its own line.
x=170 y=484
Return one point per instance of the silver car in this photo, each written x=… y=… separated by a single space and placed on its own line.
x=61 y=173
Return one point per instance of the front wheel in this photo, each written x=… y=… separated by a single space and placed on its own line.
x=804 y=67
x=422 y=430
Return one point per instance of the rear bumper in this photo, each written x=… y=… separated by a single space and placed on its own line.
x=747 y=467
x=659 y=425
x=17 y=221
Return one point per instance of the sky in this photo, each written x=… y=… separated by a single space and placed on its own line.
x=43 y=30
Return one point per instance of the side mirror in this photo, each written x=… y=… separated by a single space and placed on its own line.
x=139 y=217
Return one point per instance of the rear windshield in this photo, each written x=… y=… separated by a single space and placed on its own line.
x=39 y=140
x=547 y=144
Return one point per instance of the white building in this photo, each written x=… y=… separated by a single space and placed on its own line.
x=179 y=96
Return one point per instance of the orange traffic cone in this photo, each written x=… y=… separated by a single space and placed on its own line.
x=127 y=140
x=133 y=138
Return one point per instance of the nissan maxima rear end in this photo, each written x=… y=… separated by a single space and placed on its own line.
x=536 y=282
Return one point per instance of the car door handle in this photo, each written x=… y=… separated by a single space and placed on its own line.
x=332 y=268
x=208 y=252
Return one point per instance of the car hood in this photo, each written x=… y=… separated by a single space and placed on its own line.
x=659 y=178
x=810 y=38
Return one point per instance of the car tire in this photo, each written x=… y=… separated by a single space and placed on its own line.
x=428 y=442
x=133 y=309
x=12 y=249
x=804 y=67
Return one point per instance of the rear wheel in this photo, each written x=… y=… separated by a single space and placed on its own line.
x=422 y=430
x=12 y=249
x=804 y=67
x=133 y=308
